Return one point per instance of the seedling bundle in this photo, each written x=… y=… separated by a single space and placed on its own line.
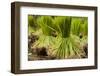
x=62 y=37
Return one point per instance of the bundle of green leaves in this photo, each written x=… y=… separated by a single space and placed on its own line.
x=32 y=24
x=61 y=35
x=80 y=28
x=45 y=38
x=67 y=45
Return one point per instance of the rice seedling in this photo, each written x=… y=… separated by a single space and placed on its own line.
x=60 y=36
x=45 y=38
x=63 y=25
x=32 y=24
x=66 y=45
x=80 y=29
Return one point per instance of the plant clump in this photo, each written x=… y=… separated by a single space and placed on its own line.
x=58 y=37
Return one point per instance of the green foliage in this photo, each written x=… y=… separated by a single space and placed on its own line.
x=68 y=47
x=67 y=43
x=63 y=25
x=79 y=26
x=45 y=39
x=45 y=23
x=76 y=26
x=85 y=26
x=32 y=24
